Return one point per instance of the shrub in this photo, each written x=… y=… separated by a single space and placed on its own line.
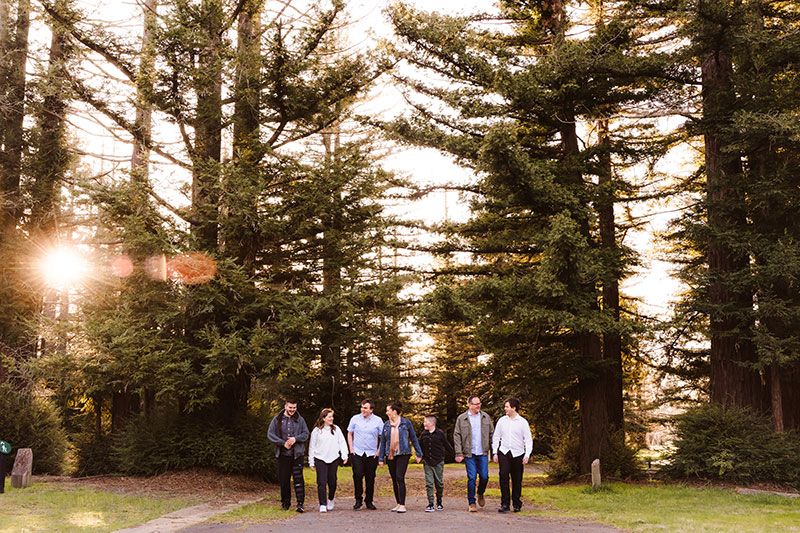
x=619 y=460
x=735 y=445
x=165 y=442
x=29 y=420
x=93 y=454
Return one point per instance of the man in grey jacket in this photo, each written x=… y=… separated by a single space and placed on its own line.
x=289 y=433
x=473 y=442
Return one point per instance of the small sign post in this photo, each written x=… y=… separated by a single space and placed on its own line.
x=5 y=449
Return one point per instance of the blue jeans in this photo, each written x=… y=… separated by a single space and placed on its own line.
x=477 y=465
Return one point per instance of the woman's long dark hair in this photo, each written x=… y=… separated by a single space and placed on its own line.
x=321 y=420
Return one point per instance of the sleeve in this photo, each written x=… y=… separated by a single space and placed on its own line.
x=312 y=446
x=351 y=427
x=382 y=446
x=302 y=435
x=528 y=440
x=272 y=433
x=344 y=451
x=491 y=428
x=413 y=435
x=457 y=440
x=498 y=432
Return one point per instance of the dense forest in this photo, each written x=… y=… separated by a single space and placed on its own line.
x=252 y=242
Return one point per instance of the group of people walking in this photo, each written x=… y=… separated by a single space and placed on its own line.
x=371 y=442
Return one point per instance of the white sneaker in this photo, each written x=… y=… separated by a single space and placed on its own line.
x=323 y=509
x=330 y=504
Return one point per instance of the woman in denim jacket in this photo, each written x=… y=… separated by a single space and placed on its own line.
x=397 y=438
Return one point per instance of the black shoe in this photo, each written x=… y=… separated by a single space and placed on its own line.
x=429 y=508
x=285 y=506
x=371 y=506
x=300 y=508
x=504 y=509
x=357 y=505
x=517 y=509
x=439 y=507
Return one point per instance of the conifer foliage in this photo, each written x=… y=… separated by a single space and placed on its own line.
x=541 y=294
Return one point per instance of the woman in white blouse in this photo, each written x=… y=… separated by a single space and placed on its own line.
x=327 y=447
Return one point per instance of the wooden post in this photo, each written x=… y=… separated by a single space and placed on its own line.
x=596 y=474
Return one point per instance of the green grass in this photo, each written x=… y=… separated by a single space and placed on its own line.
x=259 y=512
x=46 y=507
x=665 y=507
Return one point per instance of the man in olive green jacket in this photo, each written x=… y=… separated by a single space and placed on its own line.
x=473 y=442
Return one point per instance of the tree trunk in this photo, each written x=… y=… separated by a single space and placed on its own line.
x=332 y=330
x=208 y=131
x=612 y=341
x=15 y=56
x=241 y=240
x=140 y=159
x=731 y=383
x=594 y=422
x=51 y=159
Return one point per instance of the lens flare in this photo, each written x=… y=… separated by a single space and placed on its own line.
x=156 y=267
x=63 y=267
x=192 y=268
x=122 y=266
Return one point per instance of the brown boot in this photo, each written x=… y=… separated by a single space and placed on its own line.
x=473 y=508
x=481 y=500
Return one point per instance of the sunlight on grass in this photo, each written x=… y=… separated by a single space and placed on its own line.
x=47 y=507
x=86 y=519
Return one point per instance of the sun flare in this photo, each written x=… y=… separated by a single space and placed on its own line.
x=63 y=267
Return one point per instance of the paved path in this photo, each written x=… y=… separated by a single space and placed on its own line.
x=185 y=517
x=454 y=518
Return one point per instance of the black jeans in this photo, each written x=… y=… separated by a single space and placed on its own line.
x=364 y=467
x=326 y=478
x=289 y=468
x=510 y=465
x=397 y=469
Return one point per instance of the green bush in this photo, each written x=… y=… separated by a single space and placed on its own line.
x=165 y=442
x=619 y=460
x=731 y=444
x=28 y=420
x=93 y=454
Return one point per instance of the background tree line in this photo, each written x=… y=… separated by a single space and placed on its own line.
x=558 y=109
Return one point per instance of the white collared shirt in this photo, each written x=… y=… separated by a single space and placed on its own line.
x=514 y=435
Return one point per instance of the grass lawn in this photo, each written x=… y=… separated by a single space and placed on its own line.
x=46 y=507
x=656 y=507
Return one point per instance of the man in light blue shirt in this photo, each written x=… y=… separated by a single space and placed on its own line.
x=472 y=439
x=363 y=438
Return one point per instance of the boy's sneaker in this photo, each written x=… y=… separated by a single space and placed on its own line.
x=429 y=508
x=439 y=507
x=331 y=504
x=323 y=509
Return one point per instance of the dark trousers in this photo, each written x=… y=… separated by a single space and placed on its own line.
x=364 y=467
x=326 y=479
x=510 y=466
x=291 y=468
x=397 y=469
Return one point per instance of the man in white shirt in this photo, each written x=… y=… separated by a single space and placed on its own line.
x=363 y=436
x=512 y=445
